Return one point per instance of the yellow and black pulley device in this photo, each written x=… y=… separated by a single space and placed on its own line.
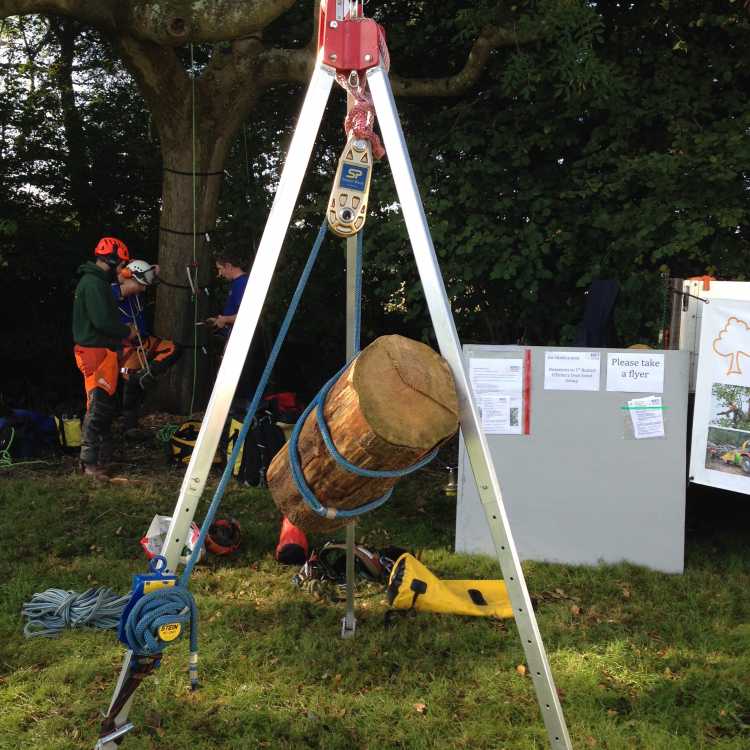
x=347 y=206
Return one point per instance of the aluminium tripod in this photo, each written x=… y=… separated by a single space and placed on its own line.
x=349 y=43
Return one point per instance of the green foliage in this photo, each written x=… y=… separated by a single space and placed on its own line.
x=732 y=406
x=611 y=142
x=596 y=151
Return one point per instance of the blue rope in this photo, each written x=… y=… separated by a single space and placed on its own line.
x=164 y=606
x=358 y=291
x=160 y=607
x=313 y=503
x=247 y=422
x=299 y=479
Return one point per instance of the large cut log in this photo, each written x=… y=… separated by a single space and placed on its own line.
x=392 y=406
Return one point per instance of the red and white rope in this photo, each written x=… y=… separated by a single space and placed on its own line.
x=360 y=119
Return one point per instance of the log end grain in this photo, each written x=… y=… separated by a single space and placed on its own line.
x=406 y=392
x=394 y=404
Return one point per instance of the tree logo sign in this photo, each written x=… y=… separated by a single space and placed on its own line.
x=732 y=342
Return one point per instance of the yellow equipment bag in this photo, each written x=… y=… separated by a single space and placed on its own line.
x=182 y=442
x=412 y=586
x=69 y=431
x=235 y=425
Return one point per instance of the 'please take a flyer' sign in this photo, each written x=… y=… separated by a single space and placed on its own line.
x=635 y=371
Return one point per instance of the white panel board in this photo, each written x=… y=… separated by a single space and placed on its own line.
x=579 y=489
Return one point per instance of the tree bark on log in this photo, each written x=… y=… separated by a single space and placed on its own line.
x=391 y=407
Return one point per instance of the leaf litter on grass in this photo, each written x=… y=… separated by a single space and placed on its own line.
x=641 y=659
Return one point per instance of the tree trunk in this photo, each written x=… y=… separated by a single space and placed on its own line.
x=183 y=387
x=391 y=407
x=82 y=195
x=196 y=120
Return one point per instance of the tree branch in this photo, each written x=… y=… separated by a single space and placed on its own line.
x=99 y=13
x=289 y=65
x=176 y=22
x=277 y=66
x=491 y=38
x=163 y=82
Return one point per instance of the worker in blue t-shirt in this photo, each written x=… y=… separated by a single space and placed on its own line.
x=232 y=269
x=130 y=305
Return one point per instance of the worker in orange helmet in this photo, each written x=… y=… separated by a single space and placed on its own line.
x=99 y=334
x=147 y=357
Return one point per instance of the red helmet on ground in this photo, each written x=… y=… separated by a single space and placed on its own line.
x=112 y=251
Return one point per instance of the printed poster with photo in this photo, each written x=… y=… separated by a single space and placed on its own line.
x=498 y=386
x=720 y=449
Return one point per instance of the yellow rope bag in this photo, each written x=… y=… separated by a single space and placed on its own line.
x=412 y=586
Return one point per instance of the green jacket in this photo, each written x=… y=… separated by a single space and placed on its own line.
x=96 y=320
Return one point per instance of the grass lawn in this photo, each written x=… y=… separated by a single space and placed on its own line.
x=641 y=659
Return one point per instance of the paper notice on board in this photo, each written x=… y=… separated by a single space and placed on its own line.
x=497 y=385
x=647 y=415
x=634 y=370
x=572 y=371
x=495 y=414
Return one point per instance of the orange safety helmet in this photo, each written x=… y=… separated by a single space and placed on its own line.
x=112 y=251
x=224 y=536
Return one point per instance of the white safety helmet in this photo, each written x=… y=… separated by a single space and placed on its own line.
x=143 y=272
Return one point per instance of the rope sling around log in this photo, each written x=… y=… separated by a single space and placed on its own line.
x=312 y=501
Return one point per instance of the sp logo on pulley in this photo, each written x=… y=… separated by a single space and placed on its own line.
x=347 y=206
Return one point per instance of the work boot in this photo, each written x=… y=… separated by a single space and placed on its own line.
x=95 y=472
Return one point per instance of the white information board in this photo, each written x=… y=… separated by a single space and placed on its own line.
x=586 y=485
x=697 y=295
x=720 y=445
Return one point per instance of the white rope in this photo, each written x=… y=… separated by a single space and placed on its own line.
x=53 y=610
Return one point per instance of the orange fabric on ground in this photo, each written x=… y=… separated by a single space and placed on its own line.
x=99 y=367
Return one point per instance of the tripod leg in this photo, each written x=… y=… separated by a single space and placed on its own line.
x=121 y=720
x=243 y=330
x=242 y=333
x=476 y=443
x=349 y=621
